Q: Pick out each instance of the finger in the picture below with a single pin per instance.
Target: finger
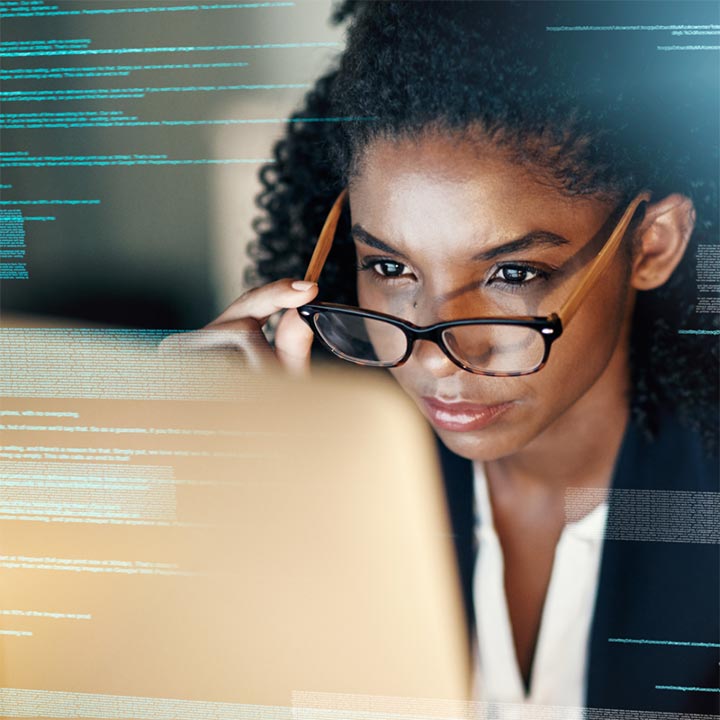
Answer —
(243, 338)
(293, 340)
(262, 302)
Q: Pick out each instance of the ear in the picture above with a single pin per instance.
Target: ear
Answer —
(661, 240)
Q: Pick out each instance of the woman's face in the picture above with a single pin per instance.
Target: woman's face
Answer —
(445, 229)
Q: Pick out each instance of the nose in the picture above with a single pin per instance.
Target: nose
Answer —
(426, 353)
(430, 357)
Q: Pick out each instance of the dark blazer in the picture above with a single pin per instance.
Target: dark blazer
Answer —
(647, 589)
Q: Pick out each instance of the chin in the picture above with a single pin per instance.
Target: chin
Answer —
(480, 446)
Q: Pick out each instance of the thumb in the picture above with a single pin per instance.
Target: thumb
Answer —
(293, 340)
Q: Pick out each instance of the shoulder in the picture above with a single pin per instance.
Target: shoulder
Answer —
(674, 459)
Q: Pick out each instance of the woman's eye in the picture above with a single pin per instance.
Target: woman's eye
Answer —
(388, 268)
(516, 274)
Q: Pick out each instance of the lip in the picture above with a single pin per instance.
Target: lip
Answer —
(462, 416)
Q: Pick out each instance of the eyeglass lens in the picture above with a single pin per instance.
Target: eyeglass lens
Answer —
(496, 348)
(365, 340)
(485, 348)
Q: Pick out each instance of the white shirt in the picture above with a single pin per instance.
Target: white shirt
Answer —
(560, 663)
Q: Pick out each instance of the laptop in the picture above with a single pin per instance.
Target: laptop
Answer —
(181, 538)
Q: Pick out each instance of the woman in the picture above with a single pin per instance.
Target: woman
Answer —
(488, 157)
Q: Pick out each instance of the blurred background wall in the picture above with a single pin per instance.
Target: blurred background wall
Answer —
(129, 167)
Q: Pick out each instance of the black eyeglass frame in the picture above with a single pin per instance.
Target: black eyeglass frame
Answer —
(550, 327)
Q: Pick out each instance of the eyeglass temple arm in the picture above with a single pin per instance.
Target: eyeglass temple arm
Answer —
(601, 261)
(325, 241)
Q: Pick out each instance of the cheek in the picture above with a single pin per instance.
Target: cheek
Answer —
(410, 378)
(581, 355)
(593, 333)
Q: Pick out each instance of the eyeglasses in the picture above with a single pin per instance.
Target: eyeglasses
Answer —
(498, 346)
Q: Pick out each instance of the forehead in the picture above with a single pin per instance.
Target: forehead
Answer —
(446, 195)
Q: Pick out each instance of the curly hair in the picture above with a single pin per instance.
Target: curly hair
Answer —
(600, 112)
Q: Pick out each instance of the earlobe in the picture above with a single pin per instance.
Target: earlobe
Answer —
(662, 239)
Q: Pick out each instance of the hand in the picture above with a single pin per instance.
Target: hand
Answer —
(239, 328)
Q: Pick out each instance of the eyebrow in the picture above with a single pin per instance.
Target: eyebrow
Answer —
(533, 239)
(360, 233)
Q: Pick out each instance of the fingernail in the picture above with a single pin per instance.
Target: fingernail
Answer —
(302, 285)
